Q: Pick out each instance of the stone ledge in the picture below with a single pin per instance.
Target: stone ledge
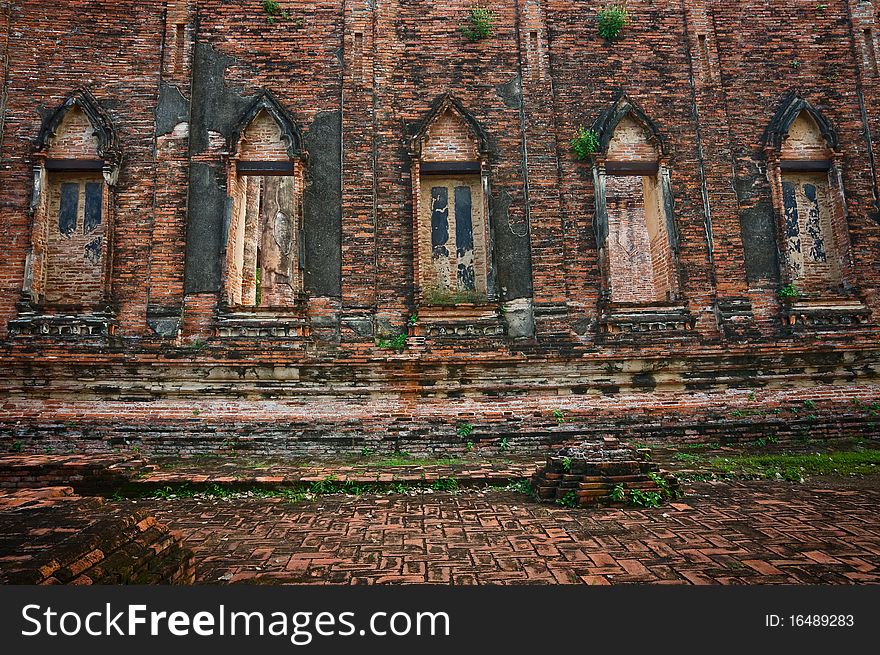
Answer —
(831, 314)
(87, 474)
(459, 321)
(625, 320)
(262, 324)
(79, 326)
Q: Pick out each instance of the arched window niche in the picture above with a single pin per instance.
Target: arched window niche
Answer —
(454, 282)
(67, 285)
(263, 264)
(635, 225)
(801, 147)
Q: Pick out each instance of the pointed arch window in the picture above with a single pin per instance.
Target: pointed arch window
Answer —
(634, 216)
(75, 170)
(263, 263)
(808, 197)
(450, 180)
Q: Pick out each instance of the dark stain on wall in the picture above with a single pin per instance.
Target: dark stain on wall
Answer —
(215, 107)
(208, 208)
(172, 109)
(759, 242)
(511, 93)
(322, 206)
(512, 256)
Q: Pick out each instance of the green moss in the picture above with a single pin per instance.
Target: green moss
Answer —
(794, 467)
(441, 296)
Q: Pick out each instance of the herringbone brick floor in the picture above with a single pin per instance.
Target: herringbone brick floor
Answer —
(721, 533)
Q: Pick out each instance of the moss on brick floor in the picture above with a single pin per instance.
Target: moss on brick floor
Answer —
(793, 467)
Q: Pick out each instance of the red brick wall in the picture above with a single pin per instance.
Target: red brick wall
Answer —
(60, 48)
(629, 246)
(709, 74)
(631, 143)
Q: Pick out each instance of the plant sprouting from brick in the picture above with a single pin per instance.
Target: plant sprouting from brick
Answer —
(480, 21)
(522, 486)
(413, 319)
(559, 415)
(445, 484)
(789, 291)
(566, 464)
(464, 430)
(645, 498)
(585, 143)
(397, 343)
(666, 491)
(611, 21)
(570, 499)
(274, 11)
(504, 446)
(326, 486)
(618, 494)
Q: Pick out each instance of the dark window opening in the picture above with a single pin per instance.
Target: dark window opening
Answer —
(69, 208)
(439, 221)
(94, 197)
(464, 239)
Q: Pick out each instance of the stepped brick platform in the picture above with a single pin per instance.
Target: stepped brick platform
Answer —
(592, 470)
(233, 473)
(324, 427)
(105, 475)
(87, 474)
(51, 536)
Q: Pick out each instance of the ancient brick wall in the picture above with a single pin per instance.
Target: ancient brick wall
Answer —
(92, 45)
(710, 80)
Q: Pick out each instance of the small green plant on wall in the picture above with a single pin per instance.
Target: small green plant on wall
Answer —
(274, 11)
(479, 25)
(585, 143)
(789, 291)
(398, 343)
(612, 19)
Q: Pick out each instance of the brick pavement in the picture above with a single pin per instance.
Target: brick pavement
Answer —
(722, 533)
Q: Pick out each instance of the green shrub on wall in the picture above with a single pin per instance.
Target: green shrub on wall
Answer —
(612, 19)
(585, 143)
(274, 11)
(479, 25)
